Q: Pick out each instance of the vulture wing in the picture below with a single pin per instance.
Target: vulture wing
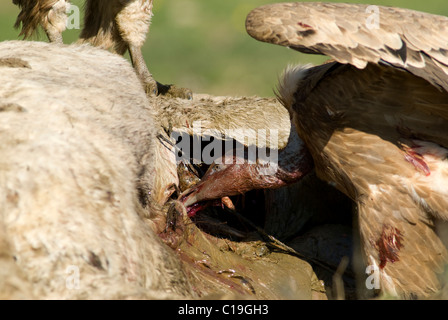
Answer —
(359, 34)
(375, 121)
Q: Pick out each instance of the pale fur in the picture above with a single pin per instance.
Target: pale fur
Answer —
(239, 118)
(83, 174)
(77, 142)
(134, 20)
(56, 20)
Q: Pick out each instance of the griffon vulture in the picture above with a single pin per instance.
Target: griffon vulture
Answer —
(375, 120)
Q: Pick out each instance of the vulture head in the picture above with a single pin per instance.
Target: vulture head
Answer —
(375, 121)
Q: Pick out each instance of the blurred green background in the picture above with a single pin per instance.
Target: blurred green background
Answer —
(203, 45)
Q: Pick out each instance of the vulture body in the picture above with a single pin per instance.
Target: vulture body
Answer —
(116, 25)
(375, 120)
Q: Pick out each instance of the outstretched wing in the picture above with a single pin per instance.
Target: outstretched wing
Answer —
(359, 34)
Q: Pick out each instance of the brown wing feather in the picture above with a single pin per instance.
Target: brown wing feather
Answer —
(32, 13)
(408, 39)
(408, 255)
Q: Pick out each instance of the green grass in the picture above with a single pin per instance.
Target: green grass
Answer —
(202, 44)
